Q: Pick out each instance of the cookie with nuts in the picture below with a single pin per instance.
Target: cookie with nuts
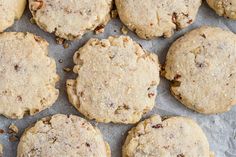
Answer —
(226, 8)
(171, 137)
(28, 76)
(202, 68)
(116, 82)
(71, 19)
(61, 136)
(10, 10)
(155, 18)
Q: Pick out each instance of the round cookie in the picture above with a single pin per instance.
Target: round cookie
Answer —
(70, 19)
(10, 10)
(226, 8)
(116, 80)
(60, 136)
(172, 137)
(27, 75)
(202, 68)
(155, 18)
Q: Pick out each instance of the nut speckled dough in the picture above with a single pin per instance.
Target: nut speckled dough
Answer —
(202, 66)
(154, 18)
(70, 19)
(60, 136)
(172, 137)
(116, 80)
(10, 10)
(226, 8)
(27, 75)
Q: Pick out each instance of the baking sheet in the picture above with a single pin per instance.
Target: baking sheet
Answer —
(220, 129)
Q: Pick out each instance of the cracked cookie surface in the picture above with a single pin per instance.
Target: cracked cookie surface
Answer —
(28, 76)
(226, 8)
(116, 80)
(172, 137)
(155, 18)
(202, 68)
(62, 135)
(70, 19)
(10, 10)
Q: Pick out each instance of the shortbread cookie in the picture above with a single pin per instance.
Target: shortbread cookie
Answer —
(61, 136)
(172, 137)
(116, 80)
(1, 151)
(10, 10)
(154, 18)
(70, 19)
(27, 75)
(226, 8)
(202, 67)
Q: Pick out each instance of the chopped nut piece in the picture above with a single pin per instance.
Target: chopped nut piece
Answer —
(65, 45)
(124, 30)
(13, 138)
(1, 131)
(67, 69)
(60, 41)
(99, 29)
(13, 129)
(157, 126)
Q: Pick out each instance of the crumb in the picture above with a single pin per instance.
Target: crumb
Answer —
(1, 131)
(124, 30)
(99, 29)
(13, 138)
(60, 41)
(65, 45)
(67, 69)
(114, 14)
(13, 129)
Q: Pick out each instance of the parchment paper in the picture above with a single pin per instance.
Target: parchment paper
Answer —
(220, 129)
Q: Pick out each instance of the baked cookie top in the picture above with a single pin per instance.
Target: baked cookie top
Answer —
(155, 18)
(70, 19)
(202, 68)
(61, 136)
(172, 137)
(116, 80)
(27, 75)
(10, 10)
(226, 8)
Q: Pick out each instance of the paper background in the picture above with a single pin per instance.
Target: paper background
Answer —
(220, 129)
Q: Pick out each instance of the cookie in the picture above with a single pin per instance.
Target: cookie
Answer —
(10, 10)
(202, 68)
(1, 151)
(27, 75)
(226, 8)
(70, 19)
(116, 80)
(155, 18)
(61, 136)
(172, 137)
